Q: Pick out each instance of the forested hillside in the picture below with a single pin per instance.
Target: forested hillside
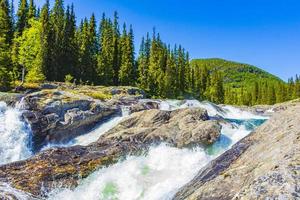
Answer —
(249, 85)
(48, 44)
(235, 74)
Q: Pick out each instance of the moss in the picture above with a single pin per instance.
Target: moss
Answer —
(99, 95)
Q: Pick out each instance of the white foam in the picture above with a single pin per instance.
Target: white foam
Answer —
(236, 113)
(15, 135)
(158, 175)
(6, 189)
(94, 135)
(170, 104)
(213, 110)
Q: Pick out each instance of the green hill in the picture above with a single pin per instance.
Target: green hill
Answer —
(236, 74)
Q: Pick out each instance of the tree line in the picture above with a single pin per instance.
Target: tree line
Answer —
(48, 44)
(264, 92)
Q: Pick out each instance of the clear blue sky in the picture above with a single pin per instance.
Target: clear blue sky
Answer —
(265, 33)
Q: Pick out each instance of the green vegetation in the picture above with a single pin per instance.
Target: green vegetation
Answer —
(248, 85)
(47, 45)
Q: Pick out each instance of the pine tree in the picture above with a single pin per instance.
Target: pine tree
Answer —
(105, 68)
(116, 50)
(6, 31)
(127, 70)
(32, 10)
(45, 37)
(22, 16)
(70, 48)
(254, 94)
(56, 42)
(92, 49)
(216, 90)
(170, 76)
(155, 73)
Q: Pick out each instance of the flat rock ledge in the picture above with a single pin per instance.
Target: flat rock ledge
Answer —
(66, 166)
(264, 165)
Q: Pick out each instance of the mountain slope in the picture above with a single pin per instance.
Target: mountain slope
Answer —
(236, 74)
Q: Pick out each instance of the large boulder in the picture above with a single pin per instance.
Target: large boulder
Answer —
(58, 116)
(181, 127)
(264, 165)
(66, 166)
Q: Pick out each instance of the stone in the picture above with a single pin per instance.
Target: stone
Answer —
(58, 116)
(264, 165)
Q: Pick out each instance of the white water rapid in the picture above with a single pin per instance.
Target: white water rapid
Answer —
(93, 135)
(159, 173)
(15, 135)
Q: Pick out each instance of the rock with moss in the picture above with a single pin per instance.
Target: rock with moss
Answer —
(58, 116)
(10, 98)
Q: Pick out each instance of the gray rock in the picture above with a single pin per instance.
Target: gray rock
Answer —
(57, 116)
(264, 165)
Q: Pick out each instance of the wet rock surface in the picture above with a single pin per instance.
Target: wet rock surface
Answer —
(58, 116)
(66, 166)
(264, 165)
(181, 127)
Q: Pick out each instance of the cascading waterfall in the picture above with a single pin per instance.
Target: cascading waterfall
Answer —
(159, 173)
(94, 135)
(156, 175)
(15, 135)
(228, 112)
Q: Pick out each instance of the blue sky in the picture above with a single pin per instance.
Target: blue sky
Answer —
(265, 33)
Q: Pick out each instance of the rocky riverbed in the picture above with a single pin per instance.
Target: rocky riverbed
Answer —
(265, 164)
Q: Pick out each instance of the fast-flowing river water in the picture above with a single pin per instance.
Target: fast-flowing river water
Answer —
(155, 175)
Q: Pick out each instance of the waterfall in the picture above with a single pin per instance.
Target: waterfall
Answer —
(94, 135)
(159, 173)
(15, 135)
(213, 110)
(156, 175)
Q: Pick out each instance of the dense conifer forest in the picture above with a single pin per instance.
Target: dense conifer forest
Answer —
(48, 44)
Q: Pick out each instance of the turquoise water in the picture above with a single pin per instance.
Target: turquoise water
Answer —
(240, 128)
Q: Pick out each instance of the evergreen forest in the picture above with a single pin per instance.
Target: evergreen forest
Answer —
(49, 44)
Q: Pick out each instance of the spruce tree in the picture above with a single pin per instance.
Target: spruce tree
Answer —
(155, 73)
(70, 48)
(31, 10)
(22, 16)
(116, 50)
(92, 49)
(127, 70)
(45, 37)
(6, 31)
(56, 42)
(170, 76)
(105, 68)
